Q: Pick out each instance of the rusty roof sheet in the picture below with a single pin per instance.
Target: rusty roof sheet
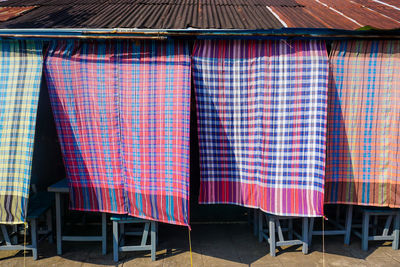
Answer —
(384, 10)
(340, 14)
(298, 18)
(391, 2)
(148, 16)
(364, 16)
(204, 14)
(7, 13)
(311, 14)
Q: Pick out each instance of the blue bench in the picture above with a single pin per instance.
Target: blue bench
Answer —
(338, 223)
(39, 204)
(60, 189)
(274, 228)
(119, 234)
(392, 217)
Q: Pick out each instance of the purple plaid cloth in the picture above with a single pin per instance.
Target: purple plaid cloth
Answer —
(261, 120)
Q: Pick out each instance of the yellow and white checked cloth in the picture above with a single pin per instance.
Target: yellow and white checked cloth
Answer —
(20, 76)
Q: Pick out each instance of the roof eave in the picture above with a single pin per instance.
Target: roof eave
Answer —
(135, 33)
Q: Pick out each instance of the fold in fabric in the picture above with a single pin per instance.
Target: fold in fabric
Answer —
(262, 122)
(363, 148)
(20, 76)
(122, 112)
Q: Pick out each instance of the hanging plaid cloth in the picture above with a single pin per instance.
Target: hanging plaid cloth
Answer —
(20, 77)
(363, 140)
(122, 111)
(261, 121)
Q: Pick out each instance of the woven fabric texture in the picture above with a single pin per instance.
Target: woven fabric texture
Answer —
(20, 76)
(122, 111)
(363, 148)
(262, 121)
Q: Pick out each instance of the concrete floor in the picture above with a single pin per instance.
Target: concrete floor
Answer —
(212, 245)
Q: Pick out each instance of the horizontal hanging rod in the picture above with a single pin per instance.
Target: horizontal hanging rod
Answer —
(161, 34)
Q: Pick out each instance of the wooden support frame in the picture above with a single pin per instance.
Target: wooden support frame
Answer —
(61, 187)
(340, 229)
(371, 214)
(11, 240)
(274, 229)
(119, 233)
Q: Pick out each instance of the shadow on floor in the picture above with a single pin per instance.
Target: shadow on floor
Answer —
(212, 244)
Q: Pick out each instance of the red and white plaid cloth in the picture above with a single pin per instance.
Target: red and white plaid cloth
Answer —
(122, 111)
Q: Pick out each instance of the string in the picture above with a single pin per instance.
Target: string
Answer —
(287, 43)
(190, 249)
(323, 241)
(25, 227)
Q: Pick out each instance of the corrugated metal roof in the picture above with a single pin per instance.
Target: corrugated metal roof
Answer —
(7, 13)
(328, 18)
(298, 18)
(362, 15)
(340, 14)
(380, 8)
(291, 3)
(391, 2)
(150, 16)
(205, 14)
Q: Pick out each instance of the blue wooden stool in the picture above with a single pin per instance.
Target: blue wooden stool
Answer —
(274, 226)
(340, 228)
(392, 215)
(39, 204)
(119, 221)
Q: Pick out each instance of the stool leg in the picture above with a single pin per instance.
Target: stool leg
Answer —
(310, 231)
(305, 235)
(388, 223)
(374, 230)
(349, 219)
(290, 229)
(145, 234)
(115, 241)
(260, 228)
(5, 235)
(103, 233)
(365, 231)
(49, 222)
(122, 230)
(34, 239)
(14, 239)
(272, 244)
(278, 228)
(156, 234)
(396, 231)
(58, 224)
(153, 241)
(338, 213)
